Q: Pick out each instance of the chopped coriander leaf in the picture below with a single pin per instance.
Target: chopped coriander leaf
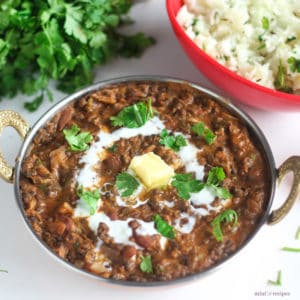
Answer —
(289, 249)
(220, 192)
(163, 227)
(294, 64)
(3, 271)
(201, 130)
(262, 46)
(278, 280)
(171, 141)
(112, 148)
(61, 40)
(126, 184)
(290, 39)
(77, 141)
(215, 176)
(186, 184)
(280, 79)
(34, 104)
(228, 216)
(134, 116)
(265, 23)
(146, 264)
(195, 21)
(91, 198)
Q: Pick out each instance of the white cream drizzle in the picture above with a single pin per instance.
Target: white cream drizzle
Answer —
(186, 227)
(119, 230)
(87, 176)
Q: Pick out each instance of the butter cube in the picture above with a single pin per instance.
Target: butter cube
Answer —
(152, 171)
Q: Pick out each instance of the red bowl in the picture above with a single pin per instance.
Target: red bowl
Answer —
(234, 85)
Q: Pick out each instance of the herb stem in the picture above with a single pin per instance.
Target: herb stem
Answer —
(278, 280)
(3, 271)
(290, 249)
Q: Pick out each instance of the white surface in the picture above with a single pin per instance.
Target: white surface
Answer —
(35, 275)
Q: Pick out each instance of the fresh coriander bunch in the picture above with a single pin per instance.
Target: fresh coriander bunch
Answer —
(61, 40)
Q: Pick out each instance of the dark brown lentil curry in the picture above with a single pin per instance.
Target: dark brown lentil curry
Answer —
(49, 186)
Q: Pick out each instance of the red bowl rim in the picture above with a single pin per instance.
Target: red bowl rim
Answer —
(216, 64)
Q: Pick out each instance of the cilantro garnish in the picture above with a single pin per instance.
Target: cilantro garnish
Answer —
(3, 271)
(77, 141)
(265, 23)
(201, 130)
(289, 249)
(215, 176)
(228, 216)
(163, 227)
(146, 264)
(134, 116)
(91, 198)
(112, 148)
(290, 39)
(186, 184)
(171, 141)
(61, 40)
(126, 184)
(35, 103)
(280, 79)
(294, 64)
(278, 280)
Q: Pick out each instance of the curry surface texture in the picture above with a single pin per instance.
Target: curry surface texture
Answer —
(120, 240)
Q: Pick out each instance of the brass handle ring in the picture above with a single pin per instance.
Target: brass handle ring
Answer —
(292, 164)
(11, 119)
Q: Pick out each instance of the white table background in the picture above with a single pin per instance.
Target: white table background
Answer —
(34, 274)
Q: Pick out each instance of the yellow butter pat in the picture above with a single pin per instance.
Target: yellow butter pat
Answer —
(152, 171)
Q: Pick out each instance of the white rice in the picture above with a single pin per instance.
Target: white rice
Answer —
(229, 31)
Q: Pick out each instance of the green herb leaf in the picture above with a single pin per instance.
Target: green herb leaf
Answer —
(280, 79)
(146, 264)
(221, 192)
(35, 104)
(289, 249)
(3, 271)
(186, 184)
(278, 281)
(134, 46)
(113, 148)
(91, 198)
(201, 130)
(290, 39)
(171, 141)
(294, 64)
(228, 216)
(163, 227)
(77, 141)
(61, 40)
(134, 116)
(265, 23)
(126, 184)
(215, 176)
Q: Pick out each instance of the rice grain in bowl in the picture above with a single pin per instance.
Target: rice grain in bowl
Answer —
(259, 40)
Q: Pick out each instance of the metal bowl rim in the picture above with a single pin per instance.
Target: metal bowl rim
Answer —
(259, 136)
